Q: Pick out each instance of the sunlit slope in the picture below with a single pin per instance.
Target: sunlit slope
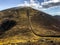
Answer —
(21, 32)
(30, 25)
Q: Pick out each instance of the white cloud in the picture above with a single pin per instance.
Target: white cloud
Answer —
(55, 1)
(50, 3)
(31, 4)
(44, 5)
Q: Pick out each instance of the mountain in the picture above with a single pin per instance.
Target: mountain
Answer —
(26, 24)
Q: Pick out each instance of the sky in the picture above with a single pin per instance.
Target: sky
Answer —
(49, 6)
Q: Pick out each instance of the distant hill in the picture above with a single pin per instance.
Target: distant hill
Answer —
(57, 17)
(23, 24)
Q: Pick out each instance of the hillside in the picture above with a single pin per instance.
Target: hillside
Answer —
(21, 25)
(46, 23)
(57, 17)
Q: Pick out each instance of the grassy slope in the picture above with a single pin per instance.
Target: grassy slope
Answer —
(22, 31)
(45, 23)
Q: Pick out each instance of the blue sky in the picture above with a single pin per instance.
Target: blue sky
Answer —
(4, 4)
(54, 10)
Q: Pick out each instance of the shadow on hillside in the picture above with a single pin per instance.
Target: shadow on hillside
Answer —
(6, 25)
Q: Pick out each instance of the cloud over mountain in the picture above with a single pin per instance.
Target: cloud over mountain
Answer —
(41, 6)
